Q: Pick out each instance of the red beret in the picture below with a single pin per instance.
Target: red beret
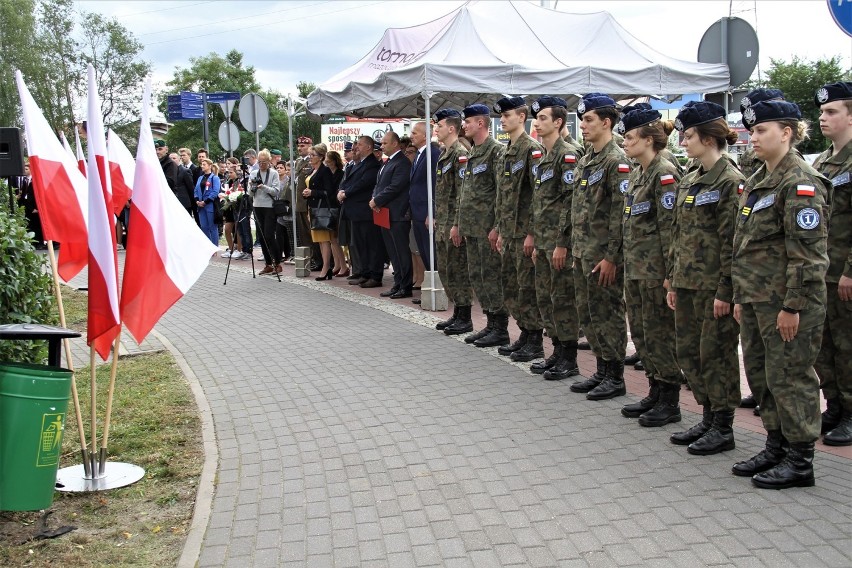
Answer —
(304, 140)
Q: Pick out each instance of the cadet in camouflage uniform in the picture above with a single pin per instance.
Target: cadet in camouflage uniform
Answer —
(834, 364)
(514, 194)
(749, 162)
(452, 257)
(474, 221)
(665, 153)
(700, 277)
(778, 273)
(600, 181)
(649, 203)
(550, 233)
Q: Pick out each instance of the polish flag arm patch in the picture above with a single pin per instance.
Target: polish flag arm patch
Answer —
(570, 158)
(462, 159)
(536, 154)
(667, 179)
(740, 189)
(624, 168)
(806, 190)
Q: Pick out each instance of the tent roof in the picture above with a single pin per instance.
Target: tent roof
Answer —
(483, 49)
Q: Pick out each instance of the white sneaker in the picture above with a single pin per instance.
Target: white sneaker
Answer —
(243, 256)
(226, 254)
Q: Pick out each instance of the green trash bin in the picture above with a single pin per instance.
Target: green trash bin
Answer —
(33, 404)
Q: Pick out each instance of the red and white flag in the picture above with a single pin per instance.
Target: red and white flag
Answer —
(166, 251)
(81, 157)
(122, 168)
(60, 190)
(104, 322)
(65, 143)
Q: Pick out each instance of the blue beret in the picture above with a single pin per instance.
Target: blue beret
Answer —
(446, 113)
(636, 118)
(637, 106)
(546, 102)
(698, 113)
(758, 95)
(594, 101)
(476, 110)
(509, 103)
(347, 146)
(840, 91)
(768, 111)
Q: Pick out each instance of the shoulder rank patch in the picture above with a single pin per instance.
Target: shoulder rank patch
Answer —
(806, 190)
(536, 154)
(596, 177)
(463, 159)
(740, 189)
(667, 179)
(841, 179)
(570, 159)
(807, 218)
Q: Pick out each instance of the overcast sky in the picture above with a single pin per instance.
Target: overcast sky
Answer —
(292, 41)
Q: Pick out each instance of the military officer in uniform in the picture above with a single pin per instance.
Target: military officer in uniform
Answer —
(475, 219)
(834, 364)
(700, 291)
(779, 266)
(302, 169)
(452, 257)
(514, 196)
(550, 234)
(600, 181)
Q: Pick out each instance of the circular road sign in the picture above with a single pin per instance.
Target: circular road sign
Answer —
(229, 136)
(742, 48)
(254, 114)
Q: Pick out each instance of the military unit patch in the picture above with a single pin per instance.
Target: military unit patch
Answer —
(709, 197)
(622, 187)
(596, 177)
(667, 179)
(668, 200)
(461, 172)
(568, 177)
(807, 218)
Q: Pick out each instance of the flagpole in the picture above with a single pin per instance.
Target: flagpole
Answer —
(112, 372)
(57, 290)
(93, 390)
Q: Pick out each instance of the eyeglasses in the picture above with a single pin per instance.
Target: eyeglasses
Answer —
(263, 163)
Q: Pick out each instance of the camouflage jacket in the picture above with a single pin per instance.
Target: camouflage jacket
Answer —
(515, 186)
(600, 182)
(703, 229)
(667, 154)
(303, 170)
(550, 221)
(779, 251)
(478, 191)
(447, 182)
(648, 207)
(838, 169)
(749, 163)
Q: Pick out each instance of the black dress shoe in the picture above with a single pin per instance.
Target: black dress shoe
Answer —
(357, 281)
(389, 293)
(401, 294)
(371, 284)
(416, 301)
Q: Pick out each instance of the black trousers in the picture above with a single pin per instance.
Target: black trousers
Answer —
(367, 240)
(396, 241)
(268, 235)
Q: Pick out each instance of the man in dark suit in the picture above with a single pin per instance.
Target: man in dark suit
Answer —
(392, 193)
(354, 195)
(418, 194)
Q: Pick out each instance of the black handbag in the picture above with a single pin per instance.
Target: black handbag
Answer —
(281, 207)
(324, 218)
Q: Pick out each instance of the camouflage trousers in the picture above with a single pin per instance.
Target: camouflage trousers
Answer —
(707, 350)
(554, 291)
(652, 327)
(781, 374)
(601, 311)
(483, 268)
(519, 290)
(452, 268)
(834, 363)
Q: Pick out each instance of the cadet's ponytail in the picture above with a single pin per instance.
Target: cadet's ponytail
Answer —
(799, 129)
(658, 131)
(718, 132)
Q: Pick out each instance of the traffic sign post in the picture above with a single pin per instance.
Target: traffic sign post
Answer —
(188, 105)
(254, 115)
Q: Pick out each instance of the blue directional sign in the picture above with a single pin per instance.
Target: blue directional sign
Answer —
(190, 96)
(222, 97)
(841, 11)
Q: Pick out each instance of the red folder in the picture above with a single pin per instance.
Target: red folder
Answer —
(382, 217)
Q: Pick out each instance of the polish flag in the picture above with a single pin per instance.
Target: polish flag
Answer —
(166, 251)
(60, 189)
(624, 168)
(81, 157)
(104, 323)
(122, 168)
(65, 143)
(667, 179)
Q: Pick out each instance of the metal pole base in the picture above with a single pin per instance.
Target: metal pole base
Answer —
(433, 299)
(116, 474)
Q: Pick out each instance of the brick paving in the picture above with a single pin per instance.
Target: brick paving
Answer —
(349, 435)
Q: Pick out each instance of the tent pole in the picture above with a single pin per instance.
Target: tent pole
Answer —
(426, 97)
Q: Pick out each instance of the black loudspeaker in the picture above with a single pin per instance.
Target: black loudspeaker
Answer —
(11, 156)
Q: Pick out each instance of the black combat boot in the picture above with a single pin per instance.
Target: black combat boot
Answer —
(442, 325)
(796, 470)
(636, 409)
(666, 410)
(532, 350)
(512, 347)
(566, 366)
(612, 385)
(540, 367)
(840, 435)
(769, 457)
(748, 402)
(594, 380)
(584, 346)
(463, 323)
(489, 319)
(687, 437)
(832, 415)
(719, 438)
(632, 359)
(499, 334)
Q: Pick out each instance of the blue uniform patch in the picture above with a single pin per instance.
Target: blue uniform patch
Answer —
(622, 187)
(446, 168)
(546, 175)
(841, 179)
(807, 218)
(640, 208)
(595, 177)
(479, 169)
(668, 200)
(461, 172)
(568, 177)
(709, 197)
(764, 202)
(517, 166)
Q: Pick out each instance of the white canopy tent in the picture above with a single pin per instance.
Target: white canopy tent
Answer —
(482, 50)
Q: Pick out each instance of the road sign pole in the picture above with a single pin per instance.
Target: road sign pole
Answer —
(257, 129)
(206, 128)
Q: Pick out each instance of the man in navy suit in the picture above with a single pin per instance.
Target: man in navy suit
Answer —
(392, 193)
(418, 194)
(355, 194)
